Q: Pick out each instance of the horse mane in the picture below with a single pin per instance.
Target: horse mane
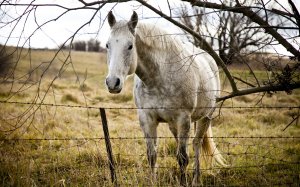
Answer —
(153, 36)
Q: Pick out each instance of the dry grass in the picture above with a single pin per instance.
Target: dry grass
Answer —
(82, 161)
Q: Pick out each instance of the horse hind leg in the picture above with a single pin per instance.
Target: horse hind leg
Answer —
(201, 129)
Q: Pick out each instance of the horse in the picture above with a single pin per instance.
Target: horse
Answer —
(172, 85)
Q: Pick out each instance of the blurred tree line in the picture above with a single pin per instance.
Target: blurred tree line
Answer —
(91, 45)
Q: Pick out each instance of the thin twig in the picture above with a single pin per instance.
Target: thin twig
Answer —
(295, 119)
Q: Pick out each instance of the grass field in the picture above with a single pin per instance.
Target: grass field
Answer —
(60, 146)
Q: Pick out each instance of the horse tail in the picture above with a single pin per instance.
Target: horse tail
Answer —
(210, 153)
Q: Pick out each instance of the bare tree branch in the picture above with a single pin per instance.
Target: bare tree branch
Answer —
(296, 13)
(273, 27)
(270, 88)
(254, 17)
(243, 81)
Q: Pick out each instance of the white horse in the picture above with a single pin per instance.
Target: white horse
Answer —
(171, 85)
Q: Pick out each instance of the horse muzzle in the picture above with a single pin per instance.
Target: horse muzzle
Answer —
(115, 91)
(113, 84)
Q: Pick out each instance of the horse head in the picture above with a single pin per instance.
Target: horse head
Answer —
(121, 52)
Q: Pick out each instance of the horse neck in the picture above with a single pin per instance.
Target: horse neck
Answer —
(148, 70)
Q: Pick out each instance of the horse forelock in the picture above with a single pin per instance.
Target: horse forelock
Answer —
(121, 27)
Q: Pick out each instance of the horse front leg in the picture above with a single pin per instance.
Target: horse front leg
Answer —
(149, 127)
(182, 156)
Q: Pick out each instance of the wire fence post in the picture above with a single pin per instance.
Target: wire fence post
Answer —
(108, 148)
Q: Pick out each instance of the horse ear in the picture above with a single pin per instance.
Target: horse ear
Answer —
(133, 22)
(111, 19)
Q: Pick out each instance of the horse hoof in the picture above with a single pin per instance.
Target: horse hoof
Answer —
(195, 183)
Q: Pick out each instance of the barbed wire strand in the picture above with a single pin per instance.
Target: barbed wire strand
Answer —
(140, 137)
(135, 108)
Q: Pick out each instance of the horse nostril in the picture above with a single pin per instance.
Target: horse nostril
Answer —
(117, 82)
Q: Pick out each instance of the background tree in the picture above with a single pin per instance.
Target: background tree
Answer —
(79, 46)
(231, 37)
(276, 30)
(93, 45)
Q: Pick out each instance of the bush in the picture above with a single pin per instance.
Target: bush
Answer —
(5, 61)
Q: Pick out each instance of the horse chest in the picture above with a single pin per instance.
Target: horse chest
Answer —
(161, 96)
(166, 103)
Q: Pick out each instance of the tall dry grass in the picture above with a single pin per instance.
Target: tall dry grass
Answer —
(68, 152)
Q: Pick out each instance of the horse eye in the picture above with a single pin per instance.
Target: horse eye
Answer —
(107, 46)
(130, 47)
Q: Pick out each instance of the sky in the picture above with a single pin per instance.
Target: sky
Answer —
(54, 33)
(57, 32)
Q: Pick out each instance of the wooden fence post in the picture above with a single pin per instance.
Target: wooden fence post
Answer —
(108, 147)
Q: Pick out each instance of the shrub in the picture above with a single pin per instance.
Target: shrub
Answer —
(5, 61)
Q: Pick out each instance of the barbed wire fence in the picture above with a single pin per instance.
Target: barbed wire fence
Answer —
(265, 160)
(68, 158)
